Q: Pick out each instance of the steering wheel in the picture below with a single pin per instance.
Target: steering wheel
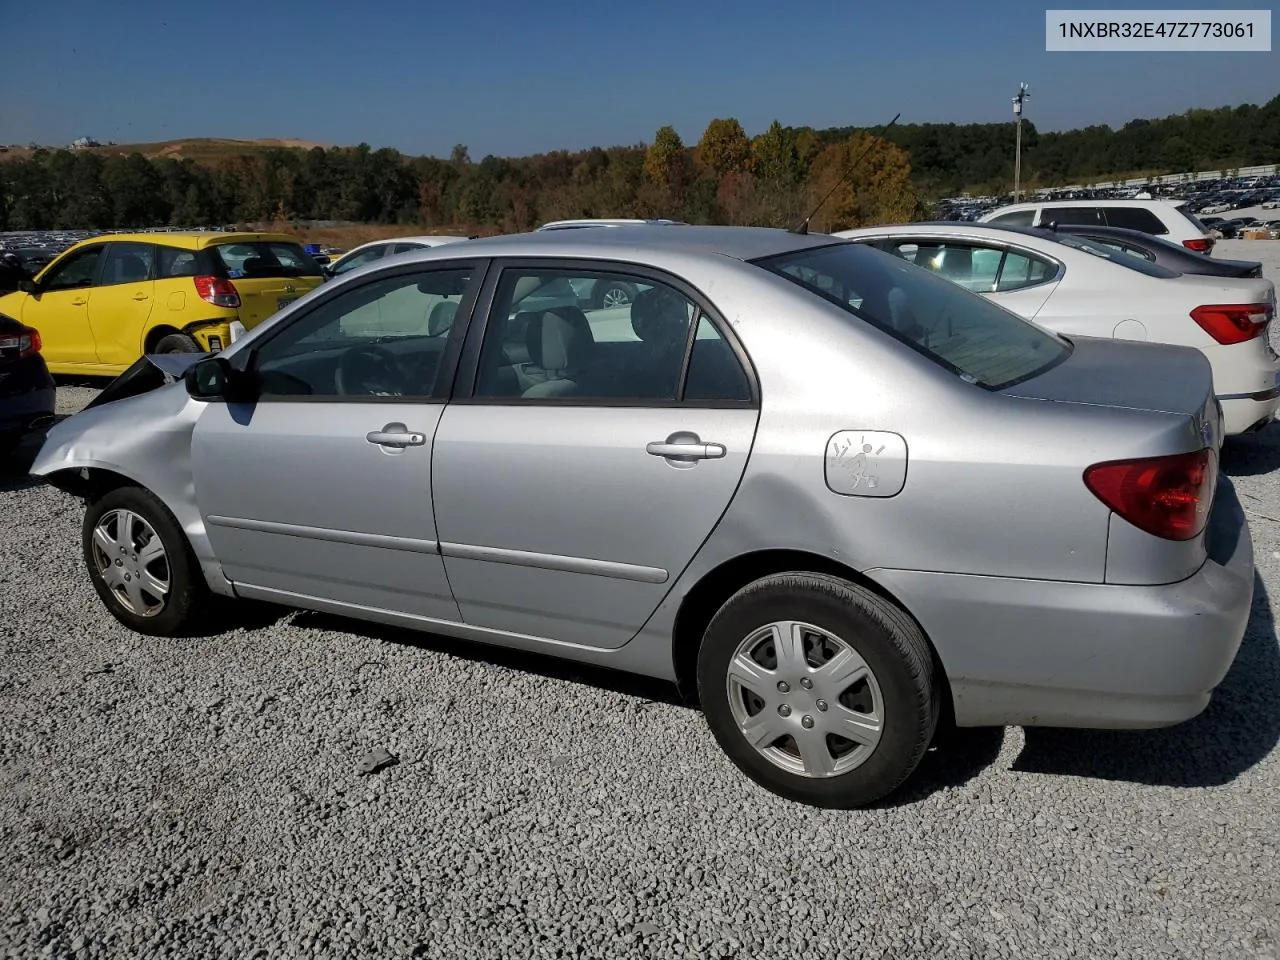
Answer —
(368, 370)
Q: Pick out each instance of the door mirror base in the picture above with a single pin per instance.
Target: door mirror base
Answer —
(216, 379)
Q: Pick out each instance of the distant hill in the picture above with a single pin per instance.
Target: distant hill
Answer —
(200, 149)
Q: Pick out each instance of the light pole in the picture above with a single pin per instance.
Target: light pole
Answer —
(1023, 94)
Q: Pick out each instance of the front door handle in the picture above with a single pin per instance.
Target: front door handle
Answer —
(685, 446)
(396, 435)
(79, 303)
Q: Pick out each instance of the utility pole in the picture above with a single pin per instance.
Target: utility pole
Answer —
(1023, 94)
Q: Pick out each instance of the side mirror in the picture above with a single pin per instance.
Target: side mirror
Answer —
(215, 379)
(28, 286)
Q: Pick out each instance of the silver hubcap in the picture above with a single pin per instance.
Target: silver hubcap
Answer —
(615, 297)
(130, 558)
(805, 699)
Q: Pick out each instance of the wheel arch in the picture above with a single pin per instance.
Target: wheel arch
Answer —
(90, 483)
(156, 334)
(720, 583)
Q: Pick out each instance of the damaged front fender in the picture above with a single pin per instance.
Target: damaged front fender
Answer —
(141, 434)
(147, 373)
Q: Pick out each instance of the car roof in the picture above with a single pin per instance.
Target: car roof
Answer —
(972, 227)
(1033, 204)
(739, 243)
(186, 240)
(428, 239)
(608, 222)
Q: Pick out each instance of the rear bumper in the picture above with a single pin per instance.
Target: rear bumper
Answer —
(26, 394)
(1050, 653)
(1246, 414)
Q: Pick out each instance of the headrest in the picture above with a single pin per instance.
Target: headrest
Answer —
(441, 317)
(660, 315)
(558, 339)
(131, 267)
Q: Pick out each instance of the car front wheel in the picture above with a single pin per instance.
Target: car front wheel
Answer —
(819, 690)
(141, 564)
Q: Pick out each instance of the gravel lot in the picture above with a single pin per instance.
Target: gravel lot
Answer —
(203, 798)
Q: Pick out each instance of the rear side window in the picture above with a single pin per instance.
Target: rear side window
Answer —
(266, 258)
(961, 331)
(1135, 218)
(1018, 218)
(975, 267)
(1089, 215)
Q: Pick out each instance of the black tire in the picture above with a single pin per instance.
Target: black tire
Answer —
(187, 602)
(9, 441)
(605, 290)
(889, 642)
(177, 343)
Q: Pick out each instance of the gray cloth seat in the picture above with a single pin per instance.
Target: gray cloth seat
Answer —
(561, 343)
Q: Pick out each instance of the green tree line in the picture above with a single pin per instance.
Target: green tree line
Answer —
(773, 178)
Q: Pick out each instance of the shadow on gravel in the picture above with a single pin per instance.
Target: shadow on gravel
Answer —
(1253, 454)
(954, 758)
(15, 464)
(1240, 727)
(631, 685)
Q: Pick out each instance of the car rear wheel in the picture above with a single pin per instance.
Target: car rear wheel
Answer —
(819, 690)
(177, 343)
(141, 564)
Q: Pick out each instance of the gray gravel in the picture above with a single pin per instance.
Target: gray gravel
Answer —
(297, 785)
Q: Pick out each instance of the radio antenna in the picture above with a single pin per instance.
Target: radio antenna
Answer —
(803, 226)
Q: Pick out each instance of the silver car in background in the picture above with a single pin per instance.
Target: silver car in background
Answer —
(834, 496)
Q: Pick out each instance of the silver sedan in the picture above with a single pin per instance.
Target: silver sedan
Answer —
(834, 497)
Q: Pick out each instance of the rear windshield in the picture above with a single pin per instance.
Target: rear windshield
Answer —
(964, 332)
(1115, 255)
(266, 258)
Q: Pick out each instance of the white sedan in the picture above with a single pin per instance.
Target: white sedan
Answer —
(367, 253)
(1076, 286)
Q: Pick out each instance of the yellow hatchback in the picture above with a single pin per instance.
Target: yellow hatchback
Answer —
(108, 300)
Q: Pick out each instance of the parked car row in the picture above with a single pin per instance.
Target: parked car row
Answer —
(836, 489)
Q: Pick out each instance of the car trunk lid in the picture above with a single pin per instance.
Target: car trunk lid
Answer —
(1173, 379)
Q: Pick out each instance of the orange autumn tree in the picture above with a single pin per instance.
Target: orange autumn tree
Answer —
(878, 187)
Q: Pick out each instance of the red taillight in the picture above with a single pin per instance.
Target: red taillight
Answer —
(1234, 322)
(24, 343)
(216, 290)
(1165, 496)
(1199, 244)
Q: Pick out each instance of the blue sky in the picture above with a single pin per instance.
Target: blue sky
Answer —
(512, 77)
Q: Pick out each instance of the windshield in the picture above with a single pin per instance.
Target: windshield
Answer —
(964, 332)
(1121, 257)
(266, 258)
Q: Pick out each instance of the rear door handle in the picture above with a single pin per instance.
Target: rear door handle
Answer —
(141, 296)
(685, 450)
(396, 435)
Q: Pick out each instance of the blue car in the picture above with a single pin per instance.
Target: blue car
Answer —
(26, 388)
